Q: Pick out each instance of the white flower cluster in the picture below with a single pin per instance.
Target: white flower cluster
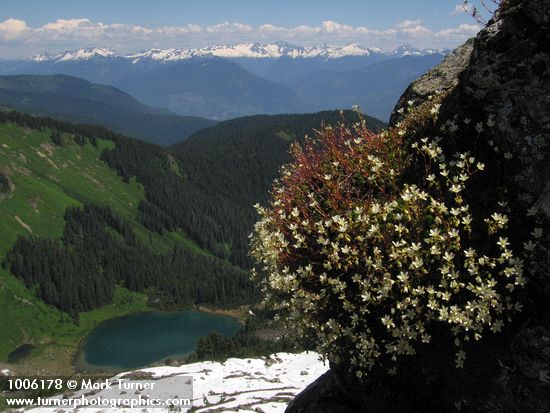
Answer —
(372, 279)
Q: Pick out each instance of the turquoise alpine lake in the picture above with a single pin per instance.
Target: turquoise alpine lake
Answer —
(141, 339)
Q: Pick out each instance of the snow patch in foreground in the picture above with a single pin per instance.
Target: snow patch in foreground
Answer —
(266, 384)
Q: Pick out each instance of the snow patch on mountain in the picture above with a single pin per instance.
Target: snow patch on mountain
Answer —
(412, 51)
(80, 54)
(256, 51)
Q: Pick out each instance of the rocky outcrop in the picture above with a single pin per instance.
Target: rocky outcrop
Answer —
(523, 384)
(440, 79)
(323, 396)
(499, 81)
(508, 76)
(6, 184)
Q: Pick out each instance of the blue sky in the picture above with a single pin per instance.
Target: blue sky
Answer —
(376, 13)
(34, 26)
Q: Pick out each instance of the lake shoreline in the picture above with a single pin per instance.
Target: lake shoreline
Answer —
(239, 313)
(56, 347)
(64, 357)
(118, 331)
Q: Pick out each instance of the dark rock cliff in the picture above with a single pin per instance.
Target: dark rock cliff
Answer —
(502, 75)
(505, 72)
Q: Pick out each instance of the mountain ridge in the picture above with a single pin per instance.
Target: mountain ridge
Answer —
(215, 88)
(375, 88)
(77, 100)
(229, 91)
(255, 50)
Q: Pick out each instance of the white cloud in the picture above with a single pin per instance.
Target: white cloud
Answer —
(303, 29)
(12, 29)
(63, 25)
(269, 28)
(412, 28)
(458, 33)
(227, 27)
(333, 27)
(178, 30)
(408, 23)
(64, 34)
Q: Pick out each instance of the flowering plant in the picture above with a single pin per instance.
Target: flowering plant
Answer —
(369, 260)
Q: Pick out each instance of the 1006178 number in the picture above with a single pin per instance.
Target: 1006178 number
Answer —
(35, 384)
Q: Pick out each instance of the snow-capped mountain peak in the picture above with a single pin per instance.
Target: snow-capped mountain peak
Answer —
(166, 55)
(41, 57)
(255, 51)
(80, 54)
(244, 50)
(408, 50)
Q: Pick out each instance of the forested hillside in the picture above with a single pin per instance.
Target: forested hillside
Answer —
(72, 237)
(76, 100)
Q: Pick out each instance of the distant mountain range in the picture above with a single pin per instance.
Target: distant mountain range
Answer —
(245, 50)
(223, 82)
(73, 99)
(214, 88)
(374, 88)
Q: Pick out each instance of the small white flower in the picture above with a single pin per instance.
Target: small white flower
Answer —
(460, 358)
(503, 242)
(453, 233)
(497, 326)
(387, 322)
(448, 256)
(456, 188)
(453, 127)
(529, 246)
(499, 219)
(537, 232)
(479, 127)
(531, 212)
